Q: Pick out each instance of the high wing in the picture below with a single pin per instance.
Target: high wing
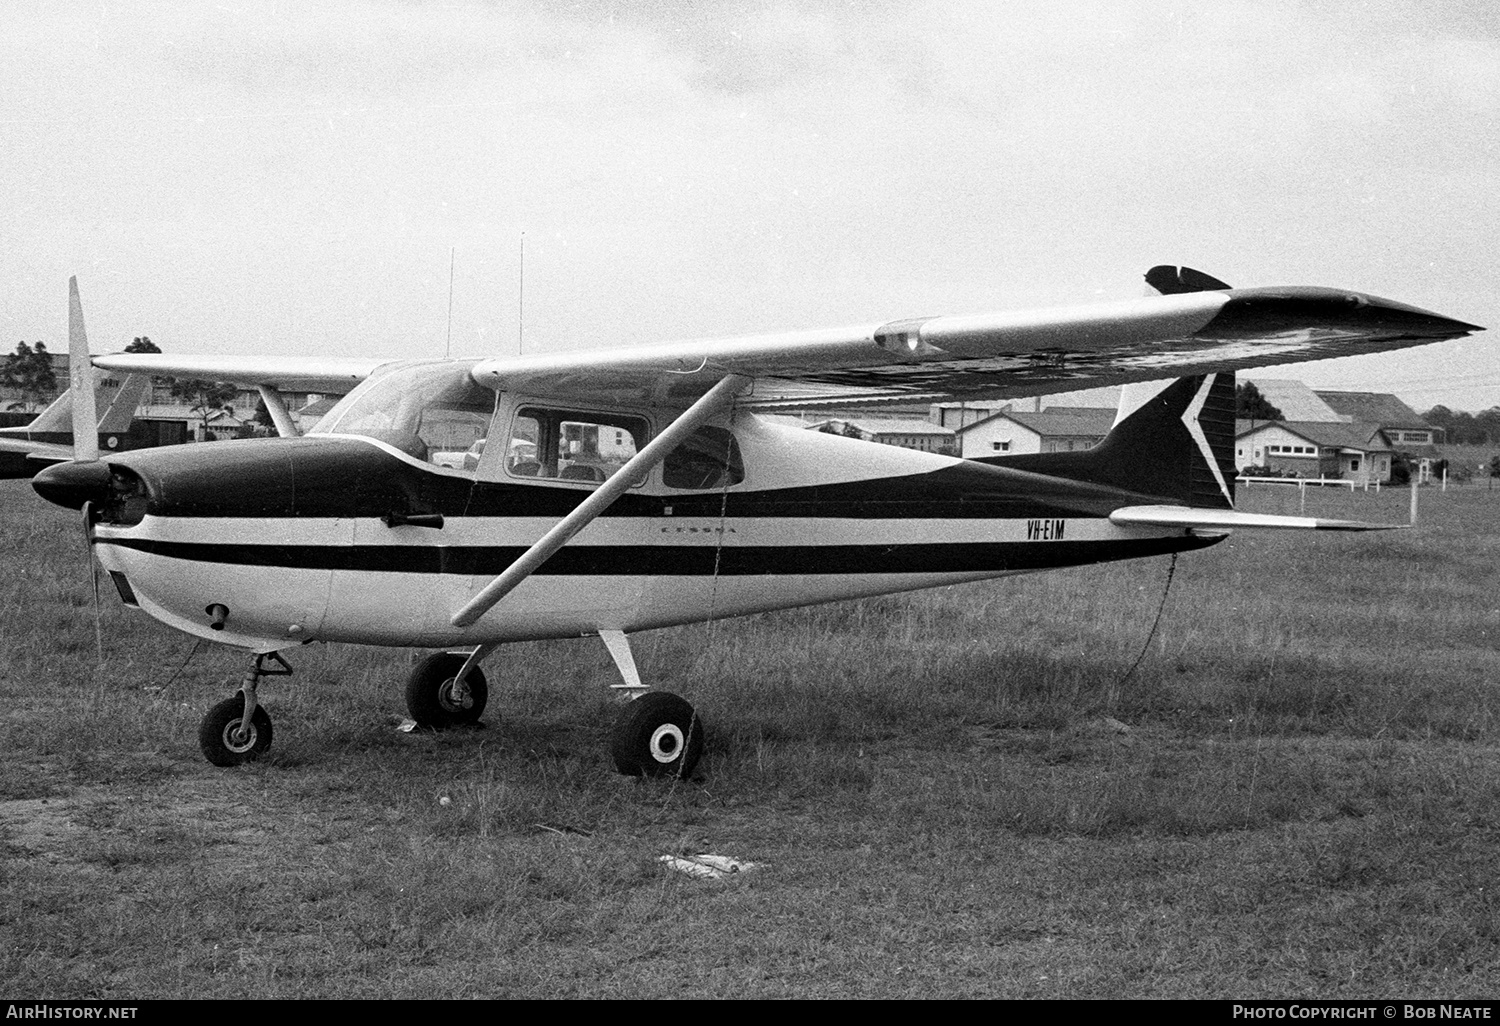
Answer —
(990, 356)
(1199, 326)
(270, 376)
(307, 374)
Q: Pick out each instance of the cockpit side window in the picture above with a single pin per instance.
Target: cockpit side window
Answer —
(708, 459)
(571, 445)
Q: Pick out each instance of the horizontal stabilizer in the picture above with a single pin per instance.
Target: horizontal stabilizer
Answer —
(1189, 517)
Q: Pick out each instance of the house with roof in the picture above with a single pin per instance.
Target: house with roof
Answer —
(1400, 422)
(1411, 436)
(962, 413)
(1056, 429)
(1370, 429)
(1313, 449)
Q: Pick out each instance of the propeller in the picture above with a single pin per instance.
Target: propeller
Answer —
(81, 379)
(84, 481)
(88, 541)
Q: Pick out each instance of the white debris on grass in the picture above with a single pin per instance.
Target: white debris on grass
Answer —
(707, 867)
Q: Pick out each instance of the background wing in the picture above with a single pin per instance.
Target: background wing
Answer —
(988, 356)
(301, 374)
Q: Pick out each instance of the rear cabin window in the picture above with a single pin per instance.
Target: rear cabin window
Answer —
(710, 458)
(571, 445)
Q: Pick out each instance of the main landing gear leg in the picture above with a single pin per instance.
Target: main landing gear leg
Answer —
(658, 733)
(238, 729)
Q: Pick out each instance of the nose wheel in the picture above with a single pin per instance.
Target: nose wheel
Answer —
(227, 739)
(238, 729)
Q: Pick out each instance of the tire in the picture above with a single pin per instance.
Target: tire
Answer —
(658, 735)
(216, 734)
(429, 693)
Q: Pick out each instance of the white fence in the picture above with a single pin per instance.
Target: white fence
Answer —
(1303, 482)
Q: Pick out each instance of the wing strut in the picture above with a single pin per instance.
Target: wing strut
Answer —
(715, 401)
(279, 415)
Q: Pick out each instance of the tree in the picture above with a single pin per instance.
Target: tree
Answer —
(205, 398)
(263, 414)
(143, 344)
(29, 371)
(1249, 404)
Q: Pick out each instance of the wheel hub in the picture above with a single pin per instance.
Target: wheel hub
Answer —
(666, 742)
(238, 737)
(454, 695)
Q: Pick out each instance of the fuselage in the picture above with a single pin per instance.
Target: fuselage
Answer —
(351, 538)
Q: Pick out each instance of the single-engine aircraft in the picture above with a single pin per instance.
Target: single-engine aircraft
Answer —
(463, 504)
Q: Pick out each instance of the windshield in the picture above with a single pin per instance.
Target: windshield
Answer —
(431, 411)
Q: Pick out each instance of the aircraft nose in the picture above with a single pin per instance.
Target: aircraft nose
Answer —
(74, 483)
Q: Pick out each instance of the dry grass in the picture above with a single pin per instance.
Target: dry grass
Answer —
(955, 793)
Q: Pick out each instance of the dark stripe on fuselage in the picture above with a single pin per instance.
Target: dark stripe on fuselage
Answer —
(341, 478)
(679, 560)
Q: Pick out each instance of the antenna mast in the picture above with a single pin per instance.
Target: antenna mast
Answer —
(521, 302)
(448, 346)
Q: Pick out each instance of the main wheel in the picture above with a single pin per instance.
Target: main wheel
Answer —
(658, 735)
(434, 697)
(222, 740)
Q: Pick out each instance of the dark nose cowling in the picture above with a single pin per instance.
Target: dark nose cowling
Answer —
(74, 483)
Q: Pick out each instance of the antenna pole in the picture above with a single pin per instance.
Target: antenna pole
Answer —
(448, 346)
(521, 302)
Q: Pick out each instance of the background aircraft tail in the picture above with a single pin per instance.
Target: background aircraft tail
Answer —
(1172, 441)
(119, 400)
(49, 438)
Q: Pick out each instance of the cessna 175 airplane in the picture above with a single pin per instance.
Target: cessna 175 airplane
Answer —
(463, 504)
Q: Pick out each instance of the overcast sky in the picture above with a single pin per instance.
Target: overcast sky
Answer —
(295, 178)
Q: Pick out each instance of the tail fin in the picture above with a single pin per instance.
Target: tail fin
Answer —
(1171, 440)
(120, 402)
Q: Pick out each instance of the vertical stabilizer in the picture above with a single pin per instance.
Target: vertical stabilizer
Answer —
(1172, 440)
(120, 403)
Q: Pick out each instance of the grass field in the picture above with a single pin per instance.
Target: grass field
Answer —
(950, 793)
